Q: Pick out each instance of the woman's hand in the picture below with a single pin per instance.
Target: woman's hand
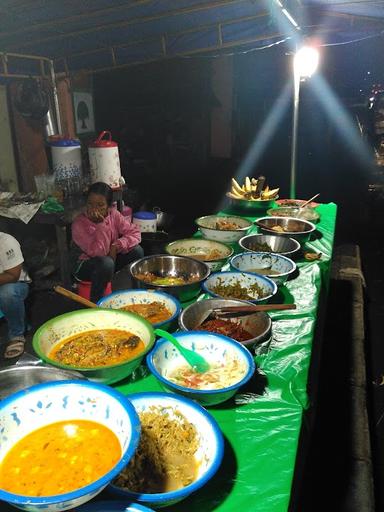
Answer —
(113, 252)
(95, 215)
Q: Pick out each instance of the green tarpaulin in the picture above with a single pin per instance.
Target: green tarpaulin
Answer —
(262, 424)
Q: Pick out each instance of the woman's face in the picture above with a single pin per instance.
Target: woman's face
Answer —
(97, 207)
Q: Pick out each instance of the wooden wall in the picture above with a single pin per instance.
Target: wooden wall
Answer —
(29, 145)
(29, 136)
(8, 174)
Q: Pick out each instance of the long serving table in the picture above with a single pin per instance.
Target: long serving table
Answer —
(262, 423)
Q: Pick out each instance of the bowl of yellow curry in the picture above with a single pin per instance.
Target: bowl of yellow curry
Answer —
(53, 441)
(159, 308)
(105, 345)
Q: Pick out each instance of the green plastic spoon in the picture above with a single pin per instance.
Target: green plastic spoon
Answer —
(196, 361)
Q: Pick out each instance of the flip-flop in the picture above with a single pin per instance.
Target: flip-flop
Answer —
(15, 348)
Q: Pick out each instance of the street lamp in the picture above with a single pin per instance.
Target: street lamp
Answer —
(305, 63)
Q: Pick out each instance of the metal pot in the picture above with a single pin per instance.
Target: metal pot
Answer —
(30, 370)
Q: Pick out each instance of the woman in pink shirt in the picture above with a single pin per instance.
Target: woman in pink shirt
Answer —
(104, 241)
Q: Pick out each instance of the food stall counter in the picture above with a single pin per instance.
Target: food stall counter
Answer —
(262, 423)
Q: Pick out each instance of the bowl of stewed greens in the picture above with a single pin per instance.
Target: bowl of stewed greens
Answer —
(241, 286)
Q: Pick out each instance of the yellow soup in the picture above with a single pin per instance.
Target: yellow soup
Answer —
(103, 347)
(59, 458)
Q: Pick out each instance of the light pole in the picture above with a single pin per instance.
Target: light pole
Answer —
(305, 63)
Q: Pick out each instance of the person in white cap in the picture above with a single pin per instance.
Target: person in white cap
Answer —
(14, 288)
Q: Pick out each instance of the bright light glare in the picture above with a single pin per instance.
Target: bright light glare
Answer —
(70, 430)
(306, 61)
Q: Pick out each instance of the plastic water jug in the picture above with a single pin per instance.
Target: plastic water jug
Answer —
(104, 161)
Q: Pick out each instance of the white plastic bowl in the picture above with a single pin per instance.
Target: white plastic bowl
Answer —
(209, 454)
(207, 226)
(202, 247)
(43, 404)
(215, 348)
(121, 298)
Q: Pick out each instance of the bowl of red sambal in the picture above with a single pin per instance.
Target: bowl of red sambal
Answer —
(250, 330)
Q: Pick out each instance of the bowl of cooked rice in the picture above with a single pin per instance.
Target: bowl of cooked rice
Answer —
(231, 366)
(181, 448)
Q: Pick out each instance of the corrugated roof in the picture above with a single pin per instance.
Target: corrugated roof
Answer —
(100, 34)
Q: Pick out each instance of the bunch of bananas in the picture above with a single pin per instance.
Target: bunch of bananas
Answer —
(250, 191)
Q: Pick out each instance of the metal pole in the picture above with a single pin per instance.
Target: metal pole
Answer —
(295, 124)
(55, 97)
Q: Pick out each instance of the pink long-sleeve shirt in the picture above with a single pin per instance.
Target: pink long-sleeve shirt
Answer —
(95, 239)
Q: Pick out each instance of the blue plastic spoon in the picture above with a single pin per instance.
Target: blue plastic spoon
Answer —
(196, 361)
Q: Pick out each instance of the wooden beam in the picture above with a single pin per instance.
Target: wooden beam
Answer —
(184, 54)
(75, 17)
(168, 35)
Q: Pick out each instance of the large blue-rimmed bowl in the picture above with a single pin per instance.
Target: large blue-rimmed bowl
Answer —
(43, 404)
(122, 298)
(208, 455)
(277, 267)
(258, 288)
(113, 506)
(216, 350)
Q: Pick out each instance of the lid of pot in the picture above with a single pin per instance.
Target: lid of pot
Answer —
(57, 143)
(145, 215)
(103, 143)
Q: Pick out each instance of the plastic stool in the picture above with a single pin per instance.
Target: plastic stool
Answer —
(84, 289)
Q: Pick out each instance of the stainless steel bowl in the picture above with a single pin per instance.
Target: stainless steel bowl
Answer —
(278, 244)
(258, 324)
(291, 227)
(22, 375)
(165, 265)
(306, 213)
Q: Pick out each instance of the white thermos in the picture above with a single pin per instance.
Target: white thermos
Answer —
(104, 161)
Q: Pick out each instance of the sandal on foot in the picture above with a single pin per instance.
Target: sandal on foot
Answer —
(15, 348)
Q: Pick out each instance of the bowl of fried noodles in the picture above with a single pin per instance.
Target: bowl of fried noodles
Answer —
(104, 345)
(231, 366)
(181, 448)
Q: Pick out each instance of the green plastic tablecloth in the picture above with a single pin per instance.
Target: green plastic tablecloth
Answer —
(261, 425)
